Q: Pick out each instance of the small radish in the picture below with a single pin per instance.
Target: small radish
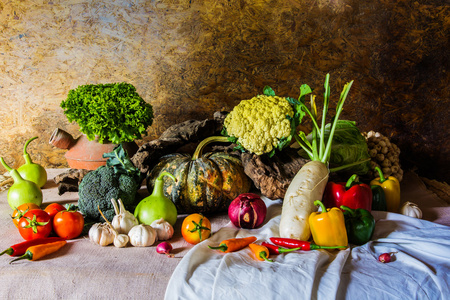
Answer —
(164, 248)
(386, 257)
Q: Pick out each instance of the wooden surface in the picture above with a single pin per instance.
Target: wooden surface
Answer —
(192, 58)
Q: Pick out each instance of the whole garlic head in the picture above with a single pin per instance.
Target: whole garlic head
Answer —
(142, 235)
(164, 230)
(411, 210)
(101, 234)
(123, 221)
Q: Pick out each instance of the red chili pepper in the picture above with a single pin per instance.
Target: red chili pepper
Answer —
(351, 194)
(273, 249)
(303, 245)
(21, 248)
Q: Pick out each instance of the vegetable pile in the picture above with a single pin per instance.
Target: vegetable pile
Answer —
(45, 231)
(317, 213)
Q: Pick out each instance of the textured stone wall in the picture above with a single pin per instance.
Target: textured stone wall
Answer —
(191, 58)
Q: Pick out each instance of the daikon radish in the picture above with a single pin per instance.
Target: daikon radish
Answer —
(309, 183)
(298, 203)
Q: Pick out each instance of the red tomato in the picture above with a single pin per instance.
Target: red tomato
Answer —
(21, 210)
(68, 224)
(53, 208)
(35, 224)
(195, 228)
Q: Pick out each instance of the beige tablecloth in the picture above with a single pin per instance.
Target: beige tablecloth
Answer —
(82, 270)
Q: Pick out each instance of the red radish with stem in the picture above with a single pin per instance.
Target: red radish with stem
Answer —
(164, 248)
(386, 257)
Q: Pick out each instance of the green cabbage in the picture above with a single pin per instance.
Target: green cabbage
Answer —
(349, 146)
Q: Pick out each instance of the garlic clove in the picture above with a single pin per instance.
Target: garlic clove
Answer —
(121, 240)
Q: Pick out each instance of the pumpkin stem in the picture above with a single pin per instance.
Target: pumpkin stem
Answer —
(202, 144)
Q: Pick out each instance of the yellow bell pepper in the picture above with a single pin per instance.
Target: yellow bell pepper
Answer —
(328, 227)
(391, 187)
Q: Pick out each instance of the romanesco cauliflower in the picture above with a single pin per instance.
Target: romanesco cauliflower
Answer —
(261, 124)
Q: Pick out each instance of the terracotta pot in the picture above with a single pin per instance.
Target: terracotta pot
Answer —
(85, 154)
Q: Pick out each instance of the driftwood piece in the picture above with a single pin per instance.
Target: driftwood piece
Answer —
(69, 180)
(175, 137)
(270, 175)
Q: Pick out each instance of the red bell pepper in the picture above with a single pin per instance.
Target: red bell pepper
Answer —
(351, 194)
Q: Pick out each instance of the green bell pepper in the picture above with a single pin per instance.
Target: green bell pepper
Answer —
(378, 198)
(360, 225)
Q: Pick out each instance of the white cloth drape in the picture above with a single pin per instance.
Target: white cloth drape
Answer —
(420, 269)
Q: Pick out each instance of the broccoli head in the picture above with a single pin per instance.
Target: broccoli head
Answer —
(100, 186)
(262, 124)
(119, 179)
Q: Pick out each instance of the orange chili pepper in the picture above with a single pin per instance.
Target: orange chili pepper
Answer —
(235, 244)
(39, 251)
(261, 252)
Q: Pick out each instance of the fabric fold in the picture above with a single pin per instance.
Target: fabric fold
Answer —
(419, 271)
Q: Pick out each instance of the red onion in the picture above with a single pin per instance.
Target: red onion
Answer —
(164, 248)
(248, 210)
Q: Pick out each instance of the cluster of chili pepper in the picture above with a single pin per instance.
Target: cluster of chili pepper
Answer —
(231, 245)
(264, 250)
(35, 249)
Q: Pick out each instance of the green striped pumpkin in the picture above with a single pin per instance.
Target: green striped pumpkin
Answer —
(205, 183)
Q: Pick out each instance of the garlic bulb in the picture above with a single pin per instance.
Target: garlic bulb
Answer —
(142, 235)
(101, 234)
(164, 231)
(123, 221)
(411, 210)
(120, 239)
